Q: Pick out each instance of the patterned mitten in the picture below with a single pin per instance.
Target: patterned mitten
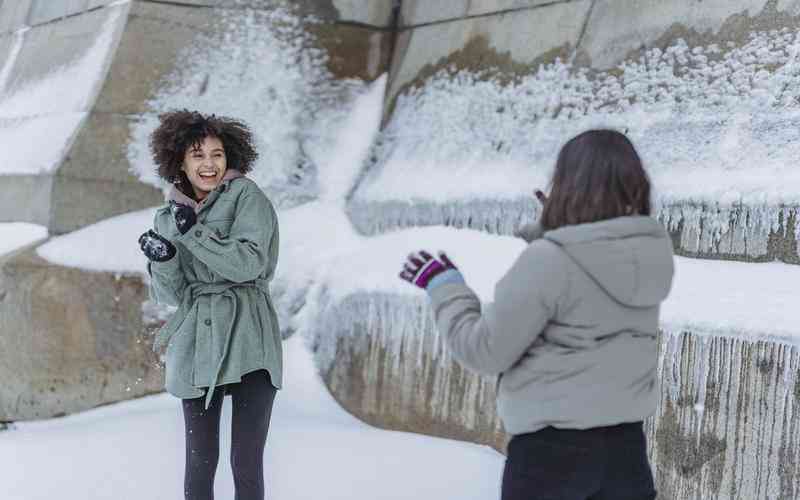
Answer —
(156, 247)
(421, 268)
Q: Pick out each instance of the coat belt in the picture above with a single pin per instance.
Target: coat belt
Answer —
(190, 295)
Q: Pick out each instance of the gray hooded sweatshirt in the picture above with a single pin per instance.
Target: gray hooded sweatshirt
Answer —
(572, 330)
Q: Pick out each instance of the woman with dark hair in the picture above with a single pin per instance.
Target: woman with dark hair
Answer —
(212, 252)
(572, 331)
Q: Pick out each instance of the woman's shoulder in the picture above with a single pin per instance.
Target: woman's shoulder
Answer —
(244, 186)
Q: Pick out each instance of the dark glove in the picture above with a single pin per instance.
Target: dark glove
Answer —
(184, 215)
(420, 269)
(156, 247)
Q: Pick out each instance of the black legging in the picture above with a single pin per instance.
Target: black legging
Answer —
(252, 409)
(603, 463)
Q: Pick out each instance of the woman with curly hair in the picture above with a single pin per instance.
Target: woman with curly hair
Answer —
(212, 252)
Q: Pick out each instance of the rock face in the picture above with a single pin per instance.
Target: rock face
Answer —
(71, 339)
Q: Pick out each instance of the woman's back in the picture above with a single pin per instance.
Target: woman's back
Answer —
(594, 362)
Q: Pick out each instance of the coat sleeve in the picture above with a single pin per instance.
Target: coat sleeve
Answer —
(167, 280)
(244, 254)
(491, 339)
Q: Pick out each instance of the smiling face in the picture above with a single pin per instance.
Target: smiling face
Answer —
(204, 165)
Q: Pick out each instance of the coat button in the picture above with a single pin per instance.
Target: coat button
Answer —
(198, 233)
(207, 322)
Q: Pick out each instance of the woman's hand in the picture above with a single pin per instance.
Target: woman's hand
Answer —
(156, 247)
(184, 215)
(532, 231)
(541, 197)
(422, 267)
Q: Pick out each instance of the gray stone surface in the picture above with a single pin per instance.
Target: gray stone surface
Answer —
(93, 4)
(53, 47)
(77, 202)
(99, 151)
(7, 43)
(418, 12)
(43, 11)
(618, 28)
(71, 339)
(480, 7)
(25, 198)
(147, 52)
(726, 426)
(415, 12)
(95, 182)
(512, 43)
(14, 14)
(372, 12)
(378, 13)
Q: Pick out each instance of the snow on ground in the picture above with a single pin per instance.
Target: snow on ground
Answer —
(109, 245)
(15, 235)
(134, 450)
(39, 120)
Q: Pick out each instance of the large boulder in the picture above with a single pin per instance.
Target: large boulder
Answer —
(71, 339)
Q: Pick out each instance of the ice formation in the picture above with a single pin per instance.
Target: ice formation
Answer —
(715, 125)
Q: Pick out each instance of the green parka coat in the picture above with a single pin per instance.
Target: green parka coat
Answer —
(225, 325)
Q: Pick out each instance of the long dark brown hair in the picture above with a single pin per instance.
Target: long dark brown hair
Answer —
(598, 176)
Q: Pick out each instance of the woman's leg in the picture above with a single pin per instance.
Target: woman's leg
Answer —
(628, 474)
(252, 410)
(202, 446)
(553, 464)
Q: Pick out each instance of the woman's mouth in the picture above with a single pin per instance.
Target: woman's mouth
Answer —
(207, 175)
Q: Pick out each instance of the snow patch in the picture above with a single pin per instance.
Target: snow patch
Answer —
(308, 434)
(15, 235)
(109, 245)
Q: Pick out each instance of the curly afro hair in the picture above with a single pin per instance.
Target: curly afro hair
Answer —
(183, 129)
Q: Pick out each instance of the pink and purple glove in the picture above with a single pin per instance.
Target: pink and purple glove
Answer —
(422, 267)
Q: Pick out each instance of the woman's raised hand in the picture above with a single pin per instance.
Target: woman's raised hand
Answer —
(422, 267)
(533, 230)
(155, 247)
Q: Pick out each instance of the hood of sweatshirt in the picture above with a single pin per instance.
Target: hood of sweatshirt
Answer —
(178, 196)
(630, 258)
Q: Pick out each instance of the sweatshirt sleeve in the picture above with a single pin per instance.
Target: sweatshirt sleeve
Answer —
(167, 280)
(244, 254)
(492, 338)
